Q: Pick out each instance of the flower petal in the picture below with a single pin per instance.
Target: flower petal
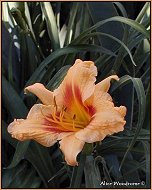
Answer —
(104, 85)
(78, 84)
(35, 127)
(41, 92)
(30, 129)
(107, 119)
(95, 135)
(101, 99)
(64, 134)
(100, 92)
(39, 111)
(71, 147)
(110, 120)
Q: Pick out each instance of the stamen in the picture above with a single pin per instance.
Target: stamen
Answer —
(54, 115)
(74, 117)
(61, 115)
(55, 104)
(64, 123)
(81, 110)
(65, 109)
(62, 112)
(73, 125)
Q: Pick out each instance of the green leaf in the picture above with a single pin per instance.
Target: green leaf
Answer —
(143, 12)
(10, 69)
(73, 13)
(113, 38)
(106, 173)
(121, 8)
(139, 138)
(141, 115)
(113, 163)
(134, 168)
(20, 151)
(51, 24)
(145, 132)
(130, 165)
(148, 116)
(27, 18)
(57, 14)
(92, 174)
(67, 50)
(30, 56)
(61, 171)
(146, 146)
(12, 101)
(7, 176)
(141, 54)
(78, 172)
(20, 177)
(17, 5)
(16, 13)
(19, 111)
(119, 58)
(91, 48)
(84, 18)
(122, 82)
(6, 136)
(127, 21)
(100, 11)
(7, 16)
(58, 78)
(39, 157)
(5, 13)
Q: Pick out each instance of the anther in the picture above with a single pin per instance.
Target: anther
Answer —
(55, 103)
(74, 117)
(65, 109)
(73, 123)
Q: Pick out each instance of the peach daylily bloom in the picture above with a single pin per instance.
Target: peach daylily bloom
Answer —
(75, 113)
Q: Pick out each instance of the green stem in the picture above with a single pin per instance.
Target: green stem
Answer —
(37, 45)
(78, 172)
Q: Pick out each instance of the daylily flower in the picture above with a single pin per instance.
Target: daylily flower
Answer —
(75, 113)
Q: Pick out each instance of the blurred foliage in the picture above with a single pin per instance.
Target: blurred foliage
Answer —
(40, 40)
